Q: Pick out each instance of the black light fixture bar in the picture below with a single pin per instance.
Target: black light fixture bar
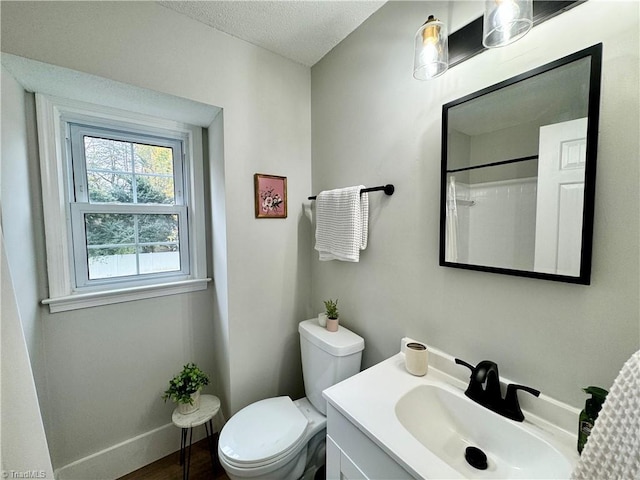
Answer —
(467, 42)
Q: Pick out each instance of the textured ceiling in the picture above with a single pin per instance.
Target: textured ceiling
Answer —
(303, 31)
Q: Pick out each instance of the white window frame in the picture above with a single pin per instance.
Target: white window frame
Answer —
(65, 292)
(80, 205)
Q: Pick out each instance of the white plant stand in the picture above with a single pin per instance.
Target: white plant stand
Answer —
(209, 407)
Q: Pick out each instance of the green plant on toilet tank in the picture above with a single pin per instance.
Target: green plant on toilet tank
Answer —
(185, 384)
(331, 308)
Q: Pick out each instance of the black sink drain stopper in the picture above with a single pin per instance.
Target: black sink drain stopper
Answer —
(476, 458)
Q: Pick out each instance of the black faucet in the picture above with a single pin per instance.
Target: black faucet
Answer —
(484, 388)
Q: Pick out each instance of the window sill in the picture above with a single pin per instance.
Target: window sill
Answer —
(95, 299)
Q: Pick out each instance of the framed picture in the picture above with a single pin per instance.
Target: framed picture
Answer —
(270, 196)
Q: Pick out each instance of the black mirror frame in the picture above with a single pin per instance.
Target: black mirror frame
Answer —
(595, 54)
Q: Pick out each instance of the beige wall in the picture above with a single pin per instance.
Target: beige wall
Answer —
(374, 124)
(106, 367)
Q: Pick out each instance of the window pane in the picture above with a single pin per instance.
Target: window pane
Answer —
(159, 259)
(155, 190)
(130, 244)
(128, 172)
(112, 262)
(109, 229)
(109, 187)
(158, 228)
(108, 155)
(153, 159)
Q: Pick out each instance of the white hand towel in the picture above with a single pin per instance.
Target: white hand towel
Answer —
(612, 450)
(342, 223)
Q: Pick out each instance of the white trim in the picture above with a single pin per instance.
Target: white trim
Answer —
(50, 140)
(52, 115)
(194, 176)
(107, 297)
(128, 456)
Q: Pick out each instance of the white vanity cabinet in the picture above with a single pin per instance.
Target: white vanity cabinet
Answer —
(352, 455)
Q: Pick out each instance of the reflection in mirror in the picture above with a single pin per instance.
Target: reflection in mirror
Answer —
(518, 173)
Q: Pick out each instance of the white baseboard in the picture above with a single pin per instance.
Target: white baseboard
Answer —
(125, 457)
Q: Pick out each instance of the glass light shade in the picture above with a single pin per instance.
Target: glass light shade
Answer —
(505, 21)
(431, 58)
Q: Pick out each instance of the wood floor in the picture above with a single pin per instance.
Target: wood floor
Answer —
(169, 468)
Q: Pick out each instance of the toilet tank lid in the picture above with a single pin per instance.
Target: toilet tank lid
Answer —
(341, 343)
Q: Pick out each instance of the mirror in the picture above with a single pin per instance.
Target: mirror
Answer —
(518, 173)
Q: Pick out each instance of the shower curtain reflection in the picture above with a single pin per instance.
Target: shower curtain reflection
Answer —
(451, 253)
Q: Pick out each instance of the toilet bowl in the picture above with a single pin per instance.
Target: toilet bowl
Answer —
(273, 439)
(281, 439)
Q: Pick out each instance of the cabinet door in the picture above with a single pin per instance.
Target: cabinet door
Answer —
(333, 460)
(339, 465)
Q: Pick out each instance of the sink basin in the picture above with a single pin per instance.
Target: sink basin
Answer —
(446, 422)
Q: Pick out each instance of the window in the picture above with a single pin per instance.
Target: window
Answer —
(129, 217)
(127, 194)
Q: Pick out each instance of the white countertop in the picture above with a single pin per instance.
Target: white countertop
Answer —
(368, 400)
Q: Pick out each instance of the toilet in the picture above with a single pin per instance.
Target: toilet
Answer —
(282, 439)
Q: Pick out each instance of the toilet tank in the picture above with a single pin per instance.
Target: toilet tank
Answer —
(327, 358)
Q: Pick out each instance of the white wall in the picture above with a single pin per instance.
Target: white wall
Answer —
(23, 445)
(20, 211)
(106, 367)
(374, 124)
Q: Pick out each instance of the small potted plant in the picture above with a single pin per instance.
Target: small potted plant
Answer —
(332, 314)
(184, 388)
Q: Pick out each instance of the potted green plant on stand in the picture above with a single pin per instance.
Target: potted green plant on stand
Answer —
(332, 314)
(184, 388)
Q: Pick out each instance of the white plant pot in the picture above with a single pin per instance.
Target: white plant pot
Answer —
(322, 319)
(186, 408)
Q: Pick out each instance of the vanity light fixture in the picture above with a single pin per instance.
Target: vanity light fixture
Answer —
(431, 56)
(506, 21)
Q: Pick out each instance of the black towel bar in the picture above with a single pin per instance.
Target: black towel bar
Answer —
(388, 189)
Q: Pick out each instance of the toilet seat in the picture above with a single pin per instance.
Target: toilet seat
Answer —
(263, 433)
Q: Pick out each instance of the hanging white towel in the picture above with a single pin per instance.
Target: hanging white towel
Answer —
(342, 223)
(612, 450)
